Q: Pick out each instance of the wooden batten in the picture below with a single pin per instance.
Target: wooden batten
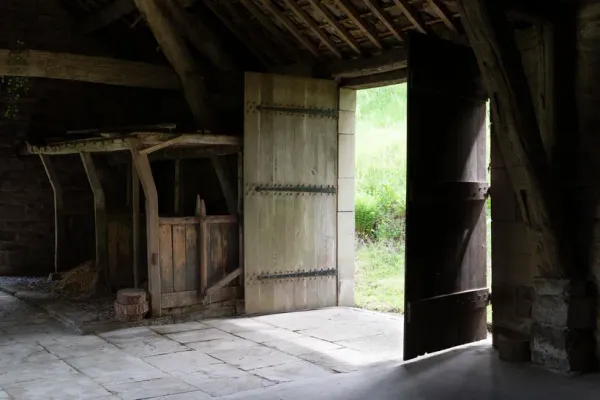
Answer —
(76, 67)
(440, 9)
(413, 15)
(385, 19)
(312, 25)
(99, 212)
(289, 25)
(355, 17)
(344, 34)
(59, 213)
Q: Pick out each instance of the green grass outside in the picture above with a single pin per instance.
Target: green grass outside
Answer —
(381, 199)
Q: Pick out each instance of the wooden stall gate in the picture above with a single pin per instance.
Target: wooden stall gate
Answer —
(199, 260)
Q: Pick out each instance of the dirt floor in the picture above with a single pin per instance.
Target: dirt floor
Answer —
(42, 359)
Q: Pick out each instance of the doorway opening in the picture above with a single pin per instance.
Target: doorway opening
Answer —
(380, 205)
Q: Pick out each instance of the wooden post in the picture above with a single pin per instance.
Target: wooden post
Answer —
(201, 212)
(226, 183)
(142, 166)
(99, 212)
(240, 182)
(59, 213)
(135, 210)
(500, 63)
(177, 188)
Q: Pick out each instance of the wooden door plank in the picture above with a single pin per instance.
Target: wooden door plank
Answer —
(179, 258)
(192, 259)
(166, 258)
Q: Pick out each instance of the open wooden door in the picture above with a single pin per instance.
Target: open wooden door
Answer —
(290, 171)
(446, 290)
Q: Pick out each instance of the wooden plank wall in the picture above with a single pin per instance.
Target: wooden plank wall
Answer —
(180, 268)
(120, 253)
(223, 251)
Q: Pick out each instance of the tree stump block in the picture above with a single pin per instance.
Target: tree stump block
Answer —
(131, 305)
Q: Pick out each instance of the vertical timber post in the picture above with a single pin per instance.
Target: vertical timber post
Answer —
(99, 213)
(201, 212)
(135, 210)
(59, 212)
(144, 171)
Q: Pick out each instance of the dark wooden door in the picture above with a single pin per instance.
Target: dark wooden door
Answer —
(446, 289)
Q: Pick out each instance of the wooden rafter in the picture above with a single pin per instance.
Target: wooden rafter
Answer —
(175, 50)
(236, 32)
(205, 41)
(266, 23)
(354, 16)
(440, 9)
(500, 62)
(412, 15)
(335, 24)
(291, 27)
(75, 67)
(312, 25)
(385, 19)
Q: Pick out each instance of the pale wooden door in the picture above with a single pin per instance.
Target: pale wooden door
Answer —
(290, 161)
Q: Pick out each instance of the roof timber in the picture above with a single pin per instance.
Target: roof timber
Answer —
(385, 19)
(75, 67)
(336, 25)
(355, 17)
(413, 15)
(291, 27)
(110, 144)
(307, 19)
(440, 9)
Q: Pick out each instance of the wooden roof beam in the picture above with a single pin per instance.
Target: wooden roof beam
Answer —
(203, 39)
(354, 16)
(393, 77)
(176, 51)
(412, 15)
(387, 61)
(75, 67)
(270, 27)
(103, 145)
(440, 9)
(335, 24)
(289, 25)
(385, 19)
(312, 25)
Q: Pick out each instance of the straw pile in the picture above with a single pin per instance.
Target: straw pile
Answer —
(80, 280)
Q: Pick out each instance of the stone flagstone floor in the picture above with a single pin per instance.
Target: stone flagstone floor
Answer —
(41, 359)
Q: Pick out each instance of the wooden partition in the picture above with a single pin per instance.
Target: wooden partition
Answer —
(197, 253)
(120, 250)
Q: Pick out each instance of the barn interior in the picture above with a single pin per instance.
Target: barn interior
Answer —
(200, 154)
